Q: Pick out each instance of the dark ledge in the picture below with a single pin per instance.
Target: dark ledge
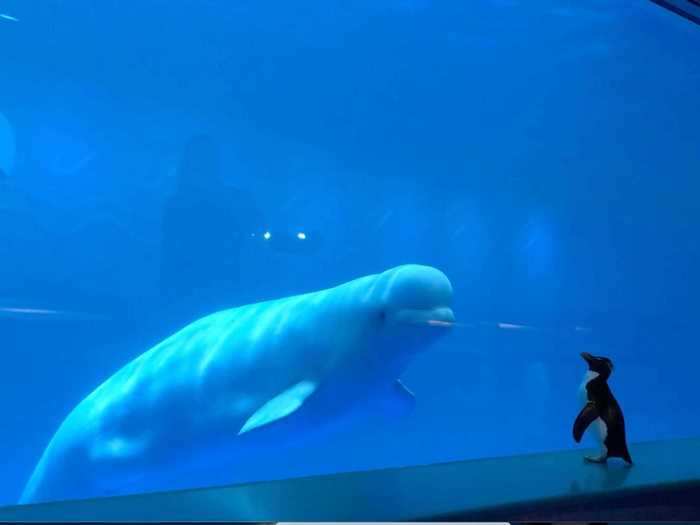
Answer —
(664, 485)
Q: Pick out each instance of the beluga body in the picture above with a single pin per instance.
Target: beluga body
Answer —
(183, 413)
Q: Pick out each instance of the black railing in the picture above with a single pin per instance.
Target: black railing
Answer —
(688, 9)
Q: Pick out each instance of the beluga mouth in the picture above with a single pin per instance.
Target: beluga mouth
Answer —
(416, 295)
(441, 316)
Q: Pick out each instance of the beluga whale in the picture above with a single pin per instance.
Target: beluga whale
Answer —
(181, 414)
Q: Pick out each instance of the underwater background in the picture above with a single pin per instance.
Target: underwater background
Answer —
(544, 154)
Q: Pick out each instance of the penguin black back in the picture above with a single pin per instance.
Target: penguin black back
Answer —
(600, 404)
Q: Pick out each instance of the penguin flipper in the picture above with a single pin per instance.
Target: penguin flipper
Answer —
(588, 415)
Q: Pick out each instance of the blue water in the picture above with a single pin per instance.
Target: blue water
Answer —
(543, 154)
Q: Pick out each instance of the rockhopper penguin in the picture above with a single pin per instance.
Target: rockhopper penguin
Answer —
(601, 409)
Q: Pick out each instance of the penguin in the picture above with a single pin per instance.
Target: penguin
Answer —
(601, 409)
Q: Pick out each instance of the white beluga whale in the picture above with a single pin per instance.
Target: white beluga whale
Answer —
(180, 415)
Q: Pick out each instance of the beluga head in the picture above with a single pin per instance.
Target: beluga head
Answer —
(415, 296)
(402, 311)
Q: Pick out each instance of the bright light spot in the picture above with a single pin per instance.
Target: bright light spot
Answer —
(267, 236)
(301, 236)
(9, 17)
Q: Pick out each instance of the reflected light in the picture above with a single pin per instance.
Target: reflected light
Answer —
(29, 311)
(35, 313)
(511, 326)
(267, 236)
(435, 322)
(301, 236)
(7, 145)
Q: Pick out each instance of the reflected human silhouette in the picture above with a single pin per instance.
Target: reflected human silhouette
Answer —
(205, 226)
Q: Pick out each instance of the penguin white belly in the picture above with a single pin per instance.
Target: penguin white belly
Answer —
(599, 426)
(583, 394)
(601, 434)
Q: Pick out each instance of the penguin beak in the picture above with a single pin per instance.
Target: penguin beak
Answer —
(587, 357)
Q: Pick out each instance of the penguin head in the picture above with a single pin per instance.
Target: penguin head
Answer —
(598, 364)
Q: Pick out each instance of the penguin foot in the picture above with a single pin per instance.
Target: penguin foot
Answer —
(595, 459)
